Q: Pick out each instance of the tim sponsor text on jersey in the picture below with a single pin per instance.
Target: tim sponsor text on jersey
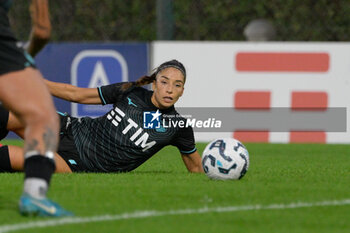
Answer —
(116, 115)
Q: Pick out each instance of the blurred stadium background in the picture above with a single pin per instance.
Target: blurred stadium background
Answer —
(118, 20)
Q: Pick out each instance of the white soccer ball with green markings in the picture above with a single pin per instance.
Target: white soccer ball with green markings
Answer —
(225, 159)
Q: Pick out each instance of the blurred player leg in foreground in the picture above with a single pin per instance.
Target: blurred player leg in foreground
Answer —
(23, 91)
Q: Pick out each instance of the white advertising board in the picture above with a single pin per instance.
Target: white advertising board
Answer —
(269, 75)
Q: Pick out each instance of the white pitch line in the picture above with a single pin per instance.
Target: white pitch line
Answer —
(156, 213)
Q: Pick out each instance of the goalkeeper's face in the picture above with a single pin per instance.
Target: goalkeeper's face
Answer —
(168, 87)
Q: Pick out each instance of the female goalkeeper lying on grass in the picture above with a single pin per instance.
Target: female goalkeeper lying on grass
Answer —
(117, 141)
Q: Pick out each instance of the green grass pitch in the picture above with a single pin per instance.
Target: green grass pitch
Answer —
(278, 174)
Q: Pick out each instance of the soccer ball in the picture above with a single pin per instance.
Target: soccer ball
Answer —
(225, 158)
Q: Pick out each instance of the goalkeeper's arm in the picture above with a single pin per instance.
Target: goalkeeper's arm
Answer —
(41, 26)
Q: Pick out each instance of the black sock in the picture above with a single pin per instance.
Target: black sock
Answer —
(38, 171)
(38, 166)
(4, 117)
(5, 164)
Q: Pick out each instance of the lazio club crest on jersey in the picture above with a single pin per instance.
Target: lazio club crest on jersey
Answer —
(151, 120)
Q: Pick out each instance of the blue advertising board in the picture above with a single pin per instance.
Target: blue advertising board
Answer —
(92, 65)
